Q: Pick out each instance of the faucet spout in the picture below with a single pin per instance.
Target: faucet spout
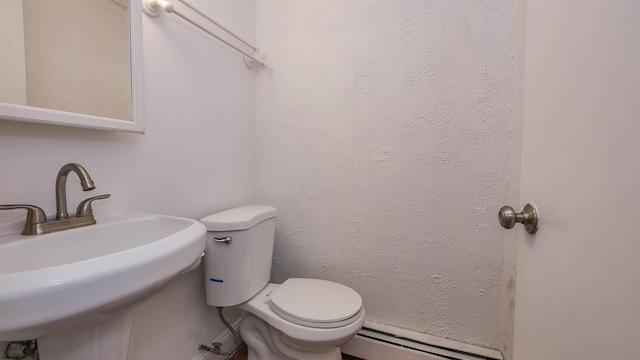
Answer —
(61, 187)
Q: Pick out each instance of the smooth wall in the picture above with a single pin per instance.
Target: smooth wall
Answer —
(197, 157)
(383, 140)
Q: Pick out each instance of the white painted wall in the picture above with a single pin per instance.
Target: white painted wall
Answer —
(383, 140)
(197, 157)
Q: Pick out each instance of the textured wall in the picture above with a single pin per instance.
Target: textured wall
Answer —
(383, 140)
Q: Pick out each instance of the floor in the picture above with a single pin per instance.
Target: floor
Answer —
(241, 354)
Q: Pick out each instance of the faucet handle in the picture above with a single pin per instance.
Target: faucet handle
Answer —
(85, 209)
(35, 215)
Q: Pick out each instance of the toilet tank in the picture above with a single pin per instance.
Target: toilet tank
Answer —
(237, 269)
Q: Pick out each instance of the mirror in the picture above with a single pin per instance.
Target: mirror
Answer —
(72, 62)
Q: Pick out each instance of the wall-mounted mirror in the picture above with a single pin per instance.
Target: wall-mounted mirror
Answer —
(72, 62)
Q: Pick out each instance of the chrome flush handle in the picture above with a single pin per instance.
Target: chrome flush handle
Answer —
(226, 240)
(528, 217)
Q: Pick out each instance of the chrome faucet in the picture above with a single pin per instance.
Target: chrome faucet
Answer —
(61, 187)
(37, 223)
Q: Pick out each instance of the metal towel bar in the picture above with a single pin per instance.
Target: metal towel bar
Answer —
(152, 8)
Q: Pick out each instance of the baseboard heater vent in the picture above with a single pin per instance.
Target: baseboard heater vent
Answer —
(381, 342)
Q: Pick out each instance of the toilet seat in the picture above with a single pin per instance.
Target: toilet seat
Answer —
(316, 303)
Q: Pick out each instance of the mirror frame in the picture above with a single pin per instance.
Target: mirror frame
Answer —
(32, 114)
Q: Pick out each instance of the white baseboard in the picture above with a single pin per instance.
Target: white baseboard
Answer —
(382, 342)
(226, 338)
(369, 349)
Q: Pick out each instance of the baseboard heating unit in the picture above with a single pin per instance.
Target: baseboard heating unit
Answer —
(382, 342)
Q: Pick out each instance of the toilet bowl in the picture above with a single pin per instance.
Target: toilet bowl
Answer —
(265, 330)
(300, 319)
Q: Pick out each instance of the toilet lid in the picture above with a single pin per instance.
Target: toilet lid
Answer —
(316, 303)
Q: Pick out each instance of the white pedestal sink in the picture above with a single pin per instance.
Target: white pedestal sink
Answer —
(74, 277)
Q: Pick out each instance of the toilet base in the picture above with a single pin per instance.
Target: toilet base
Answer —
(264, 342)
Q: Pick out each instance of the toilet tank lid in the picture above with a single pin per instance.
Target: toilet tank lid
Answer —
(240, 218)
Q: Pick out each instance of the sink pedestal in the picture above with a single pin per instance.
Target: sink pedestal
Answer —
(109, 340)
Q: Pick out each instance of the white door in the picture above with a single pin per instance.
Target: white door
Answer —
(578, 280)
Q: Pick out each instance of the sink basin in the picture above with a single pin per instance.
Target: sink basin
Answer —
(68, 278)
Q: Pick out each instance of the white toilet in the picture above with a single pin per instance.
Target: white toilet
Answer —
(301, 319)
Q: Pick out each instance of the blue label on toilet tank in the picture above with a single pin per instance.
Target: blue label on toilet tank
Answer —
(216, 280)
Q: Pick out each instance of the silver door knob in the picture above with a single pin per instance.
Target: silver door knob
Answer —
(528, 217)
